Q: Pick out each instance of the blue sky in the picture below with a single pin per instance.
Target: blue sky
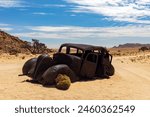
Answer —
(97, 22)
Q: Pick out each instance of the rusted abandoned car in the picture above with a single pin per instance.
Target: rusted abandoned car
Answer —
(85, 61)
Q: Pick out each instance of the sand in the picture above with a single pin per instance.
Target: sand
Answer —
(130, 82)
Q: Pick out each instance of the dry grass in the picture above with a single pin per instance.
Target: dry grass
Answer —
(62, 82)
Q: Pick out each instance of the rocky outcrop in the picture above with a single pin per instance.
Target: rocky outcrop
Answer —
(11, 44)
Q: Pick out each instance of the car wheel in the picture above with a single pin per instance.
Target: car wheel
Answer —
(110, 70)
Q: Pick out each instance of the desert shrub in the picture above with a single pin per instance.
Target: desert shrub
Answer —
(143, 48)
(14, 52)
(148, 56)
(118, 54)
(132, 59)
(62, 82)
(23, 57)
(28, 53)
(123, 54)
(119, 50)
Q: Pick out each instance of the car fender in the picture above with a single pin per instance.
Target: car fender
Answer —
(51, 73)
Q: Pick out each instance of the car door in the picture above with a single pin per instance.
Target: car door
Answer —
(89, 65)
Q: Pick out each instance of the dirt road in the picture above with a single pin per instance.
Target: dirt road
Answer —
(137, 76)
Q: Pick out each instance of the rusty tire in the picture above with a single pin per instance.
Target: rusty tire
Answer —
(110, 70)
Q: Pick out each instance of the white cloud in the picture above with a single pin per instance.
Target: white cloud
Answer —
(55, 5)
(2, 24)
(118, 10)
(42, 13)
(52, 28)
(73, 15)
(75, 32)
(6, 29)
(11, 3)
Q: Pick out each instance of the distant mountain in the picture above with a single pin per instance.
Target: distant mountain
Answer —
(132, 45)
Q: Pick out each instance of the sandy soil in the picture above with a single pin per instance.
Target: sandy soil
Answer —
(131, 81)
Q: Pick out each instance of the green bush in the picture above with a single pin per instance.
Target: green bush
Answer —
(62, 82)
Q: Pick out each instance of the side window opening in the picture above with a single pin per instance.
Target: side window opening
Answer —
(63, 50)
(73, 51)
(76, 52)
(96, 51)
(92, 58)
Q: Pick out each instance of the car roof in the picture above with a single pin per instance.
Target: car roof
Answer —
(83, 46)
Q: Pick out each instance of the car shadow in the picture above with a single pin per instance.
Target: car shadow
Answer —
(82, 79)
(36, 82)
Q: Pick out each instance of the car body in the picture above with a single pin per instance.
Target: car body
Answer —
(81, 59)
(85, 60)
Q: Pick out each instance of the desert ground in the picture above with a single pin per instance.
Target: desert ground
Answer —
(130, 82)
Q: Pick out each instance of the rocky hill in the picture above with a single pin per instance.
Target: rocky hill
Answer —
(132, 45)
(11, 44)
